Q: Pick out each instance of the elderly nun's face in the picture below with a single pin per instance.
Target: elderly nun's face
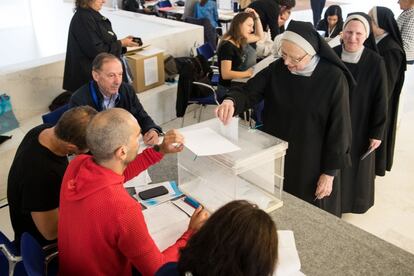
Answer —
(354, 35)
(295, 58)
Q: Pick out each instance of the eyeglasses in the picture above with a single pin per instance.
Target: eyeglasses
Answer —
(293, 60)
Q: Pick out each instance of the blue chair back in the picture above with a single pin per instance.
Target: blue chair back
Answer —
(54, 116)
(33, 255)
(164, 4)
(206, 51)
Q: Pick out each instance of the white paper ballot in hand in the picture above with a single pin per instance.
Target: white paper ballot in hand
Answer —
(205, 141)
(231, 130)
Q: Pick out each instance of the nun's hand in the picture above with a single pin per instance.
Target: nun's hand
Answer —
(324, 186)
(374, 143)
(225, 111)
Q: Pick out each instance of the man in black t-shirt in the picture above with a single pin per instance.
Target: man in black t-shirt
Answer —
(37, 170)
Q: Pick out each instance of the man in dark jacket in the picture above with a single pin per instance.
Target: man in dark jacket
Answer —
(107, 90)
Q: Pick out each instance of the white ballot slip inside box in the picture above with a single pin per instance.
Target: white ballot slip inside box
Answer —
(231, 130)
(205, 142)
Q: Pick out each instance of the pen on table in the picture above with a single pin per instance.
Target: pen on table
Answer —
(192, 202)
(181, 209)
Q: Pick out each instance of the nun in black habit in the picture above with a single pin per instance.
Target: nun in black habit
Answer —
(306, 103)
(368, 103)
(390, 47)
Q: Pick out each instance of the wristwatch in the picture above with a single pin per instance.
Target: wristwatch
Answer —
(156, 148)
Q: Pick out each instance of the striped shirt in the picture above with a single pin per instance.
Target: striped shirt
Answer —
(406, 24)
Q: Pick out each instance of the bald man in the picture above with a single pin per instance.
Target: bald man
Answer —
(102, 230)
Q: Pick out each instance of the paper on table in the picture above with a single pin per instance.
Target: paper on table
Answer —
(289, 262)
(166, 223)
(205, 141)
(140, 180)
(150, 71)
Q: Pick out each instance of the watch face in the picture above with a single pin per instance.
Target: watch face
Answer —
(156, 148)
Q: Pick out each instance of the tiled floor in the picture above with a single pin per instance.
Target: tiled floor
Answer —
(392, 217)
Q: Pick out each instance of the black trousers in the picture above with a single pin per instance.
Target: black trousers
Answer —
(317, 7)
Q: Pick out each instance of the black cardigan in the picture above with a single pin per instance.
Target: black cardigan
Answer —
(90, 33)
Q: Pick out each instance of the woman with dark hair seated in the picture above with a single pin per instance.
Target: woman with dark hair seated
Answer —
(332, 22)
(238, 239)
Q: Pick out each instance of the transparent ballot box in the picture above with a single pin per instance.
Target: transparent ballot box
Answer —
(253, 173)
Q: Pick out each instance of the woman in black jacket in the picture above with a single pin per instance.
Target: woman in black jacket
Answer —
(90, 33)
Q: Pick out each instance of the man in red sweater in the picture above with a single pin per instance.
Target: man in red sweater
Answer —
(102, 230)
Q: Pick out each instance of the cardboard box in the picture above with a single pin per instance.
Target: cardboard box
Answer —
(147, 68)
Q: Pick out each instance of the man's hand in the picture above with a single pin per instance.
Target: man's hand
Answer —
(225, 111)
(173, 142)
(151, 137)
(198, 218)
(324, 186)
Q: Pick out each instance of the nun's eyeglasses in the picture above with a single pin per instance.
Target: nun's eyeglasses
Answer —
(293, 60)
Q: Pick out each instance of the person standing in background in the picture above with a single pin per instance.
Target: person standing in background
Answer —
(368, 105)
(268, 11)
(390, 47)
(90, 33)
(406, 24)
(207, 9)
(317, 7)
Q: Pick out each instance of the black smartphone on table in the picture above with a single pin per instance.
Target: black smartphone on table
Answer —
(153, 192)
(137, 40)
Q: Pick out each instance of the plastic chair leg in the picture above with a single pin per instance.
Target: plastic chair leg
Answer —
(199, 114)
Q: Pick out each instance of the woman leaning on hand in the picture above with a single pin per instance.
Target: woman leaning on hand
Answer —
(90, 33)
(235, 55)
